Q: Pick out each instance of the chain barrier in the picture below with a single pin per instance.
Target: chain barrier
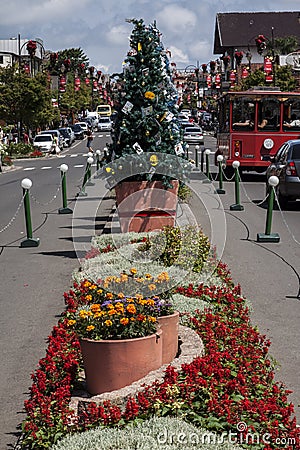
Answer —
(47, 203)
(283, 218)
(14, 216)
(245, 192)
(225, 177)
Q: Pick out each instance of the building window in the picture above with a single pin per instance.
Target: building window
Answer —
(1, 59)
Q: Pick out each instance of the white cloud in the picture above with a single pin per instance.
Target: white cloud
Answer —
(176, 19)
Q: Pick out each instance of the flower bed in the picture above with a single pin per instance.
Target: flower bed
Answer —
(232, 383)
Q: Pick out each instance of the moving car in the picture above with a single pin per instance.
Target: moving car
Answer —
(286, 166)
(104, 124)
(84, 126)
(43, 142)
(193, 135)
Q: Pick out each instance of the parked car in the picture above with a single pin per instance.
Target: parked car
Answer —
(68, 137)
(84, 126)
(78, 131)
(286, 166)
(43, 142)
(104, 124)
(194, 135)
(55, 133)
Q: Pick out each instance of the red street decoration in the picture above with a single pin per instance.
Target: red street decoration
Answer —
(208, 81)
(269, 78)
(77, 84)
(87, 81)
(268, 66)
(53, 58)
(81, 67)
(226, 60)
(62, 84)
(31, 48)
(95, 86)
(260, 42)
(26, 68)
(218, 81)
(245, 73)
(204, 68)
(67, 63)
(238, 57)
(232, 78)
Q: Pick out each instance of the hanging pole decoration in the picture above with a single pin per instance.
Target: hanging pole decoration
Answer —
(237, 206)
(26, 184)
(245, 73)
(267, 236)
(261, 43)
(218, 81)
(76, 84)
(64, 210)
(232, 78)
(220, 189)
(268, 69)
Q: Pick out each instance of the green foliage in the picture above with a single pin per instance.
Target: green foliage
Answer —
(20, 149)
(184, 192)
(185, 247)
(25, 99)
(156, 433)
(284, 79)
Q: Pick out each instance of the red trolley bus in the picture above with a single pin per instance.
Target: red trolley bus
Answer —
(254, 123)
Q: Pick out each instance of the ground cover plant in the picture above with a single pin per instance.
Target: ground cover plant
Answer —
(231, 384)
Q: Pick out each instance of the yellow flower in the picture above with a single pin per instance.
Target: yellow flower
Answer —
(99, 291)
(152, 287)
(133, 270)
(98, 314)
(121, 295)
(148, 275)
(138, 297)
(71, 322)
(83, 314)
(93, 287)
(150, 95)
(152, 319)
(108, 169)
(131, 300)
(88, 297)
(124, 277)
(109, 295)
(111, 312)
(90, 328)
(163, 276)
(124, 321)
(108, 323)
(86, 284)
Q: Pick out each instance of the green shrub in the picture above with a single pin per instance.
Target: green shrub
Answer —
(20, 149)
(184, 193)
(156, 433)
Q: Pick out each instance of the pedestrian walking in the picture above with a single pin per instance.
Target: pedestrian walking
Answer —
(89, 140)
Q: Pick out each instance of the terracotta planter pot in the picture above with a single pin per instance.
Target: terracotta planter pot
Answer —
(146, 206)
(169, 326)
(113, 364)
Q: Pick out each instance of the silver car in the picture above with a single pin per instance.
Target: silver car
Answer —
(104, 124)
(286, 166)
(193, 135)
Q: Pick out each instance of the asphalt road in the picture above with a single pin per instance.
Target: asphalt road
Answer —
(33, 279)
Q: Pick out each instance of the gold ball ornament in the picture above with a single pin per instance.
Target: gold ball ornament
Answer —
(153, 160)
(147, 133)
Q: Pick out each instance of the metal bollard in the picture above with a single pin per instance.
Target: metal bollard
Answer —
(267, 236)
(220, 190)
(26, 184)
(98, 153)
(207, 152)
(187, 151)
(237, 206)
(87, 175)
(64, 210)
(196, 155)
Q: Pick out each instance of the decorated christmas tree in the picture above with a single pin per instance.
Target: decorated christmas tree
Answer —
(147, 129)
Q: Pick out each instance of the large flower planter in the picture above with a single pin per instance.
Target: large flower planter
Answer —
(169, 326)
(146, 206)
(114, 364)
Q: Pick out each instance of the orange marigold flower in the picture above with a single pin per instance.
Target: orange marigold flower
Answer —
(109, 295)
(111, 312)
(86, 284)
(152, 319)
(99, 291)
(90, 328)
(148, 275)
(93, 287)
(141, 318)
(95, 307)
(133, 270)
(121, 295)
(124, 321)
(139, 296)
(131, 309)
(88, 297)
(83, 314)
(98, 314)
(152, 287)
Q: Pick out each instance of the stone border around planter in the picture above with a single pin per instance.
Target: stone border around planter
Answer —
(190, 346)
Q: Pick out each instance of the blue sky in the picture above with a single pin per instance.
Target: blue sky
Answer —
(99, 27)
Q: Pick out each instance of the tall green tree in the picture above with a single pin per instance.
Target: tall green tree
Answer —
(24, 99)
